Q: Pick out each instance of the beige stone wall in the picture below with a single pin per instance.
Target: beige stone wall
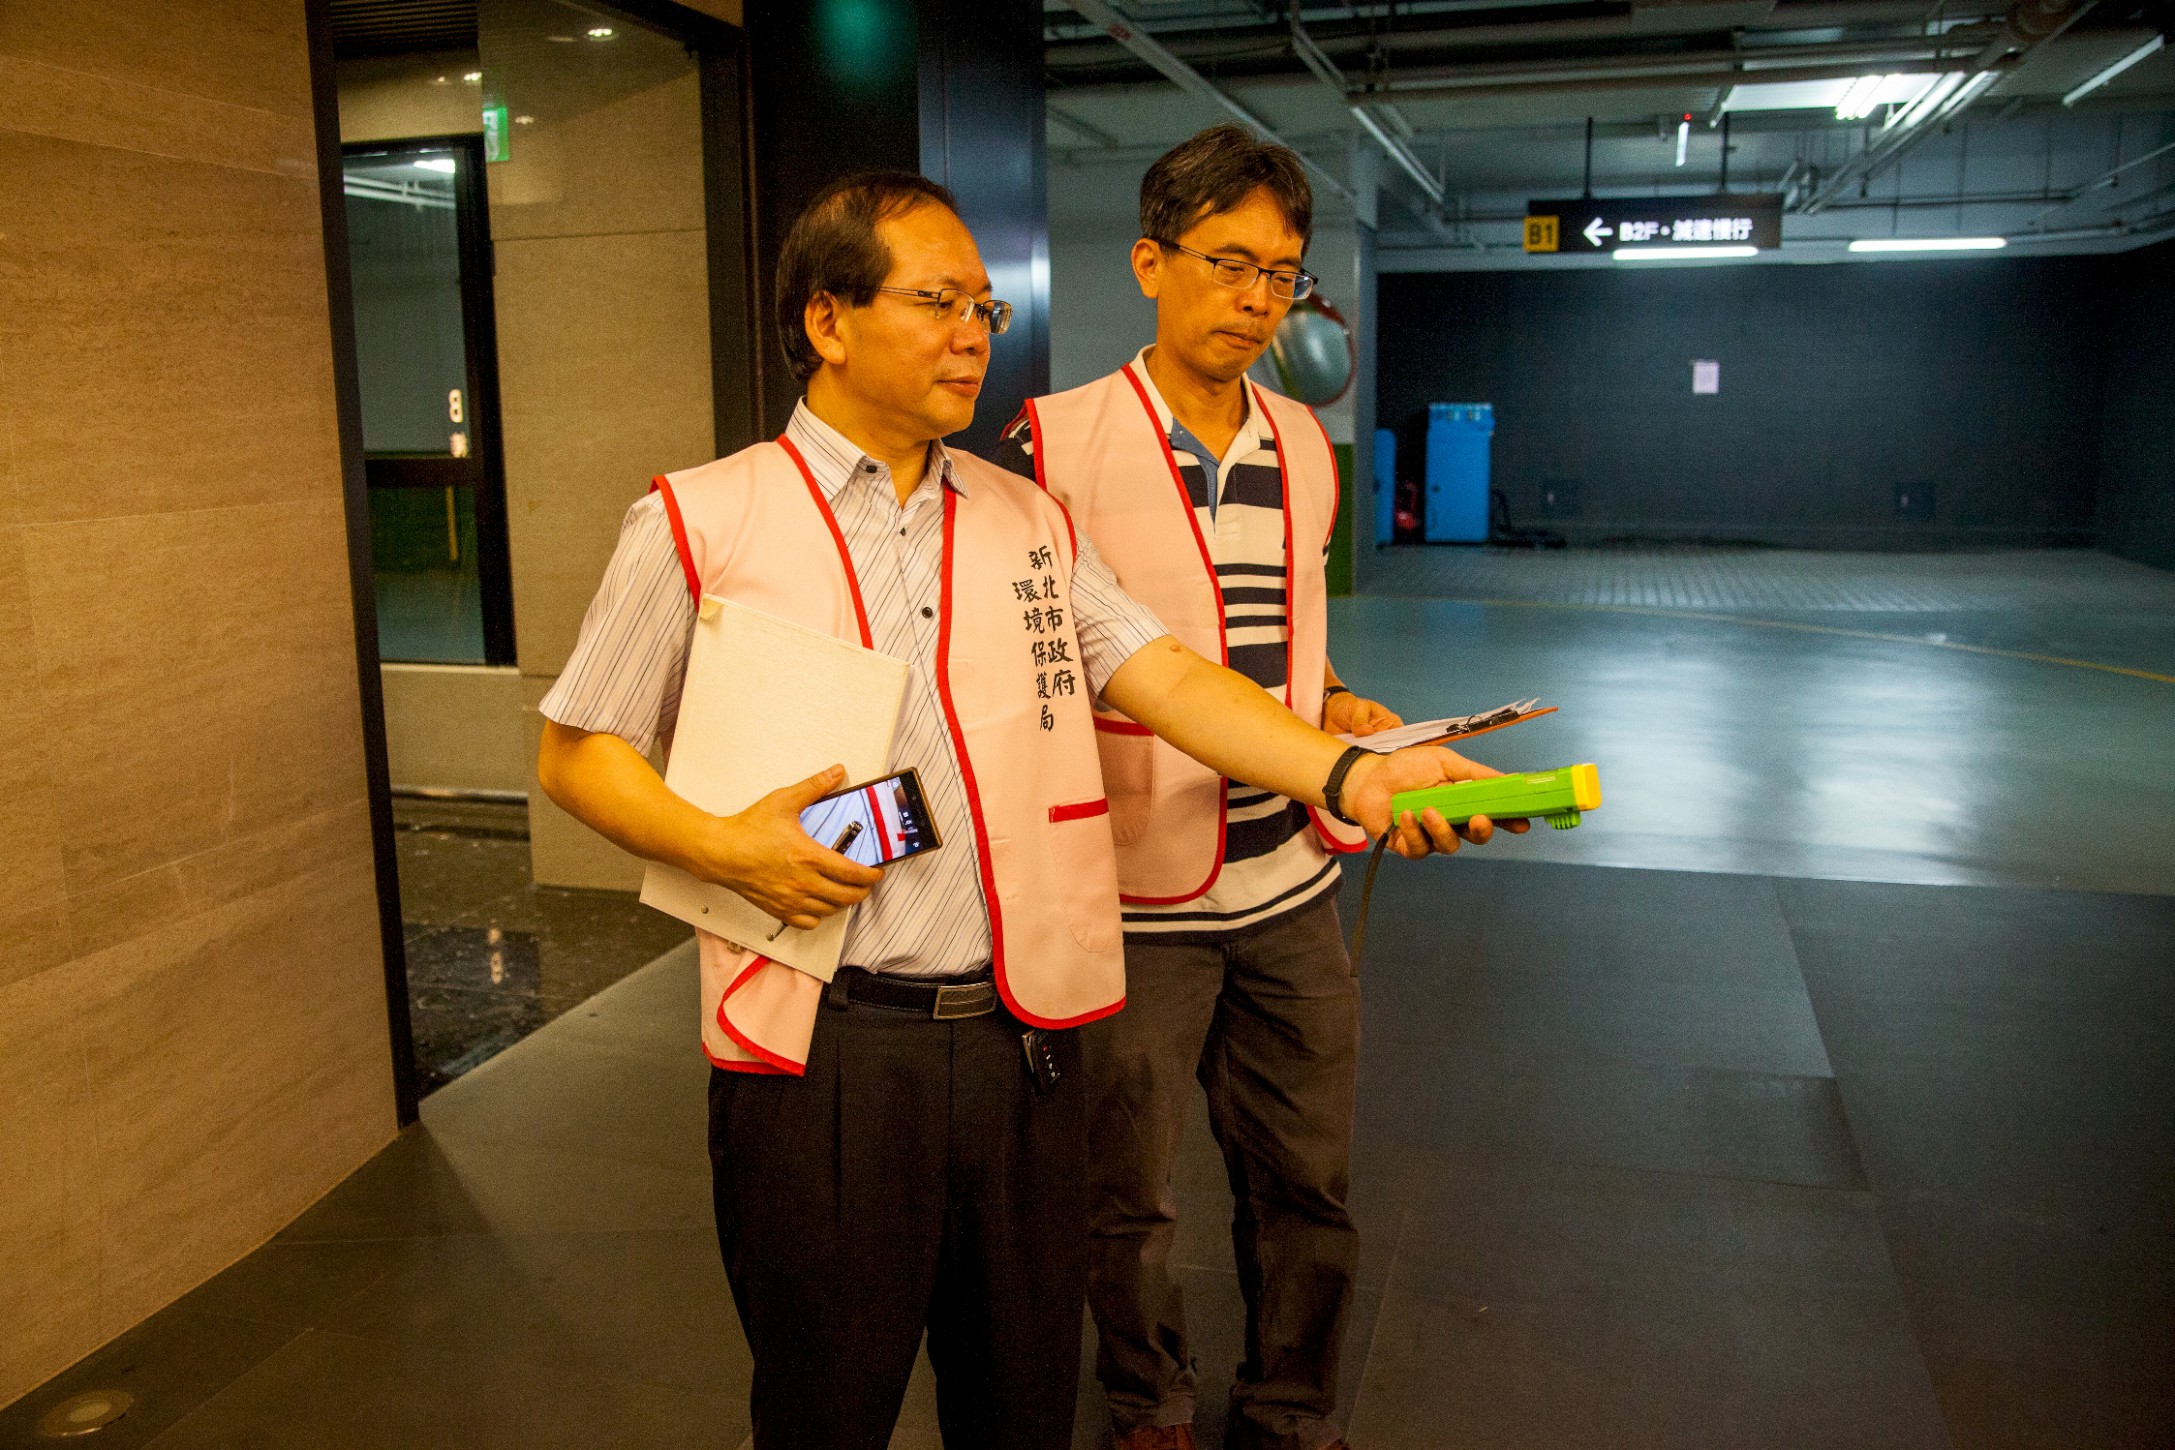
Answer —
(192, 1017)
(398, 97)
(603, 340)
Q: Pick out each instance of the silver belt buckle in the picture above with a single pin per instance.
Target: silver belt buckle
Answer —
(967, 999)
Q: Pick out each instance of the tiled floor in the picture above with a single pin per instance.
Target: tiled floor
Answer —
(491, 956)
(1849, 1129)
(1645, 1158)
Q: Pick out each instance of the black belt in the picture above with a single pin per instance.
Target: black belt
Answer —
(942, 998)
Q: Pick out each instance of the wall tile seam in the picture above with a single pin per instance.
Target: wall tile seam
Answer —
(304, 118)
(509, 239)
(289, 172)
(78, 895)
(165, 107)
(336, 500)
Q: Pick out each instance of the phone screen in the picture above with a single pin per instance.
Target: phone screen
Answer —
(874, 824)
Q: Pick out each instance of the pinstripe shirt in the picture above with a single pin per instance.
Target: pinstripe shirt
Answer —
(927, 917)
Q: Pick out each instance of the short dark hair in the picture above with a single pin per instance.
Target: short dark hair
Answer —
(833, 247)
(1216, 172)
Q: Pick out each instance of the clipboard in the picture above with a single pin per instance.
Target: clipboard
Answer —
(1454, 727)
(767, 702)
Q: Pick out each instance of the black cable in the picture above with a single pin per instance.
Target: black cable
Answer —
(1366, 896)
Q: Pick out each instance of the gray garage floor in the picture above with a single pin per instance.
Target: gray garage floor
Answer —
(1818, 1091)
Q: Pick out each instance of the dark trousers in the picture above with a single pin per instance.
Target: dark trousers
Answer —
(1267, 1019)
(913, 1179)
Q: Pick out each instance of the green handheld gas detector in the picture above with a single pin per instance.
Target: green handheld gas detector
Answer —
(1556, 796)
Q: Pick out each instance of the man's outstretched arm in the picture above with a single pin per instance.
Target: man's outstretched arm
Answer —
(1237, 729)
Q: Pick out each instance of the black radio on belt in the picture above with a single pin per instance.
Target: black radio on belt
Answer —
(1041, 1061)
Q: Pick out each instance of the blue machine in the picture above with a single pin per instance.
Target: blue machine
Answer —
(1385, 485)
(1457, 472)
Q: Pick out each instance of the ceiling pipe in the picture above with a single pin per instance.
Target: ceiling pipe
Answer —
(1119, 27)
(1254, 39)
(2031, 24)
(1393, 147)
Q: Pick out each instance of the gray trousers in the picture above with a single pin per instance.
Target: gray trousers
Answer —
(1267, 1019)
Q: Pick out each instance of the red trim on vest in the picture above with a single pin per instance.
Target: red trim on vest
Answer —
(1336, 479)
(1223, 644)
(760, 1069)
(1291, 563)
(983, 861)
(746, 1043)
(1185, 503)
(830, 521)
(1034, 443)
(1121, 727)
(1081, 811)
(1328, 842)
(659, 485)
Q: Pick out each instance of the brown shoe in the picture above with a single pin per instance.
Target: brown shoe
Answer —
(1157, 1437)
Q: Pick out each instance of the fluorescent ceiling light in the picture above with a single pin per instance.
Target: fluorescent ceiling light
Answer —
(1933, 96)
(2114, 70)
(1681, 254)
(600, 32)
(1857, 103)
(1929, 244)
(1684, 138)
(1786, 95)
(444, 164)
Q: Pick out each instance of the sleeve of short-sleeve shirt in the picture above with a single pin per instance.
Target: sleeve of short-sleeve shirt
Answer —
(1111, 623)
(625, 673)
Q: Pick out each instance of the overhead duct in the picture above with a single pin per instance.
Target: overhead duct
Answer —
(1119, 27)
(1392, 146)
(2030, 25)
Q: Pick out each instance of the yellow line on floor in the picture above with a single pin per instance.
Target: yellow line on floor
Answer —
(1917, 639)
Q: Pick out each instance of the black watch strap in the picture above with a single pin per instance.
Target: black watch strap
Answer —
(1333, 788)
(1330, 692)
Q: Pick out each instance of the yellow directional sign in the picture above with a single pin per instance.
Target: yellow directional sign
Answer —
(1541, 233)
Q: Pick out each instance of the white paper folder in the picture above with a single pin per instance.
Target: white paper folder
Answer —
(767, 703)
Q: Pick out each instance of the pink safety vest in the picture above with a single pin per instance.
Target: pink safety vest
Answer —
(1102, 452)
(755, 528)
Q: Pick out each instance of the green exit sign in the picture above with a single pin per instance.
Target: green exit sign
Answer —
(498, 140)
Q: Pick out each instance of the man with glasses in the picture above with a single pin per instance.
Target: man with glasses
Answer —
(1213, 501)
(901, 1151)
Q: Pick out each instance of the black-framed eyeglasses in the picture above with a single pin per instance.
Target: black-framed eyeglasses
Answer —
(951, 305)
(1231, 272)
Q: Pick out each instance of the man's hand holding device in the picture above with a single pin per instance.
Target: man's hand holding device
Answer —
(1374, 779)
(765, 855)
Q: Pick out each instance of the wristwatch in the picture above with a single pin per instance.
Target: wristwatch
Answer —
(1333, 788)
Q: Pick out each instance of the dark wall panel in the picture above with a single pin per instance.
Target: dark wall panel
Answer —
(1838, 385)
(951, 88)
(2137, 451)
(982, 135)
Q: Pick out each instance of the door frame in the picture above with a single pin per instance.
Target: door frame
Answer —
(720, 50)
(483, 472)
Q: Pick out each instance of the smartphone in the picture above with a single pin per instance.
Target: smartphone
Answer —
(875, 824)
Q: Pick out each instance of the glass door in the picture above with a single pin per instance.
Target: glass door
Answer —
(419, 255)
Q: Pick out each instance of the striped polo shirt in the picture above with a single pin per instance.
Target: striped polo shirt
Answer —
(927, 917)
(1272, 862)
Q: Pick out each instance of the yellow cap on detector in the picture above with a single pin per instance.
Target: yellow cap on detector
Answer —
(1586, 787)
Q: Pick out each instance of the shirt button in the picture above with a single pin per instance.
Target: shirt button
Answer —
(927, 612)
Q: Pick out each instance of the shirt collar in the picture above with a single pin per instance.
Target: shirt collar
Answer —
(1249, 426)
(835, 459)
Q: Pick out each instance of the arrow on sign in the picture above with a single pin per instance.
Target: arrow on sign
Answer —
(1596, 233)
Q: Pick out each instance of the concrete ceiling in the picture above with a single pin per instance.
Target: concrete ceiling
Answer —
(1494, 100)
